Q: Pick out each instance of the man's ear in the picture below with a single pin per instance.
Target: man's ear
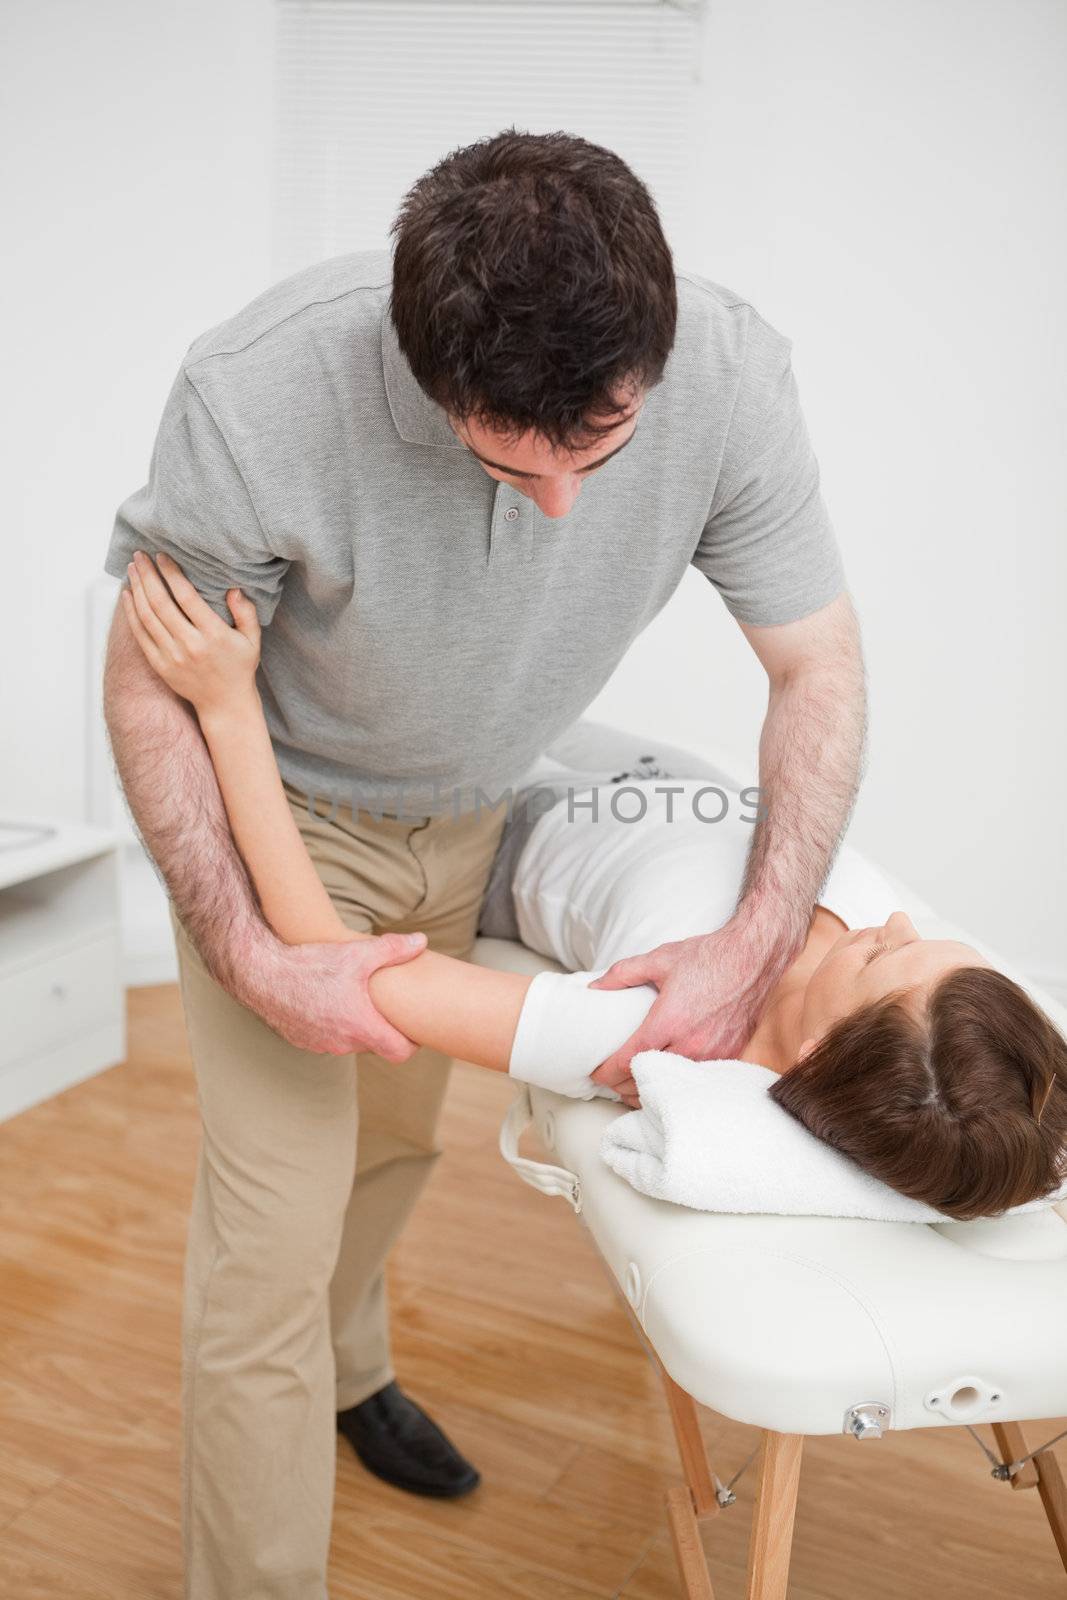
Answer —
(806, 1048)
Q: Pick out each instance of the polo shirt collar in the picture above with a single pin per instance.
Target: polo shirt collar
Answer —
(418, 419)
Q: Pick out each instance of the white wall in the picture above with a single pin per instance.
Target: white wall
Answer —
(885, 183)
(136, 203)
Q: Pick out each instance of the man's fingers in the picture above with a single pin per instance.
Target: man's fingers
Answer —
(390, 949)
(387, 1041)
(616, 1069)
(624, 974)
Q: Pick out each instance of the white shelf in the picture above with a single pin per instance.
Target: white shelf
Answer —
(52, 843)
(62, 1001)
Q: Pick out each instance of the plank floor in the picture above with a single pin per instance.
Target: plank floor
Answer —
(505, 1327)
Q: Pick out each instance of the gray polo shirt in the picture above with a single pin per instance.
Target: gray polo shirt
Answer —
(427, 630)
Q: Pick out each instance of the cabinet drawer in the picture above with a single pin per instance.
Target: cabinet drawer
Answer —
(53, 999)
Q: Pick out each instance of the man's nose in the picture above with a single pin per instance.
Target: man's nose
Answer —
(557, 501)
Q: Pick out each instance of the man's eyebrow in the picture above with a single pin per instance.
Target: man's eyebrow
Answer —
(513, 472)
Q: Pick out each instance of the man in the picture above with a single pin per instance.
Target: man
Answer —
(456, 484)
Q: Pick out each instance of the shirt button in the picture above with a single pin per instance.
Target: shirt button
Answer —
(511, 513)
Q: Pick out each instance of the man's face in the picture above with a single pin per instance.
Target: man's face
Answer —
(553, 481)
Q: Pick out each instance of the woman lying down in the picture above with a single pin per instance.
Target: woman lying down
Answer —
(914, 1056)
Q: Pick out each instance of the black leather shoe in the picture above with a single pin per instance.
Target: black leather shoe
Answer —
(395, 1439)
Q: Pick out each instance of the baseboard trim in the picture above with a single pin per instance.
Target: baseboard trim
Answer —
(27, 1083)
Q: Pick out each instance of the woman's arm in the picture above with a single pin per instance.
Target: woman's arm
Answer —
(460, 1009)
(294, 899)
(213, 666)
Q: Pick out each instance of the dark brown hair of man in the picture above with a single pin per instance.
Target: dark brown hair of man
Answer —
(533, 287)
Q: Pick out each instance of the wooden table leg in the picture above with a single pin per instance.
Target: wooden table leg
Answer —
(1012, 1447)
(688, 1507)
(1053, 1491)
(1043, 1473)
(771, 1538)
(694, 1456)
(685, 1534)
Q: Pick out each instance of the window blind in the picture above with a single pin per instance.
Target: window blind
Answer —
(371, 93)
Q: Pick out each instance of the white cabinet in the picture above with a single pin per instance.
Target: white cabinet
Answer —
(62, 1003)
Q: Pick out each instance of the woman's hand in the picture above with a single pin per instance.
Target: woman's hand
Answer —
(196, 654)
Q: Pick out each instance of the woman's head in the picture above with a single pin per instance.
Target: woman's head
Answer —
(931, 1070)
(866, 964)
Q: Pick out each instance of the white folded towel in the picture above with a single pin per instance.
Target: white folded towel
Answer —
(709, 1136)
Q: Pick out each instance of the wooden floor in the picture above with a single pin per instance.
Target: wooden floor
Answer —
(505, 1327)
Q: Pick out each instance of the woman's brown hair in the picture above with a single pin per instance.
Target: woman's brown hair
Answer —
(962, 1105)
(533, 287)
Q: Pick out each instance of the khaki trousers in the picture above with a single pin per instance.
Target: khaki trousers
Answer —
(309, 1166)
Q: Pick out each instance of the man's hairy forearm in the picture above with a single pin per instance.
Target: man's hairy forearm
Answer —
(811, 755)
(173, 796)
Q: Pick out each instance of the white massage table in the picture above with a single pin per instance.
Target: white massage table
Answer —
(891, 1325)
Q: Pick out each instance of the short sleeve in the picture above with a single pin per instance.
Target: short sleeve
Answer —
(768, 545)
(197, 508)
